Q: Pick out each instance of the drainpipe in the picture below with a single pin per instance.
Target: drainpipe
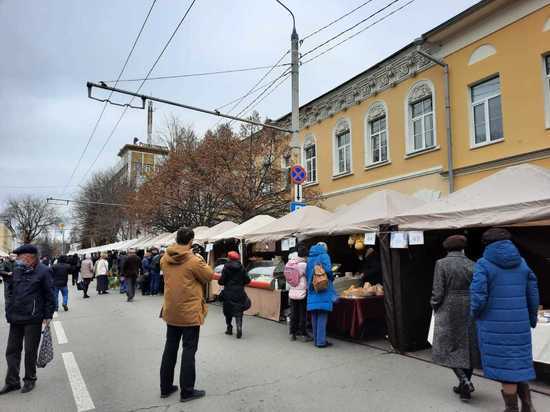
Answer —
(447, 113)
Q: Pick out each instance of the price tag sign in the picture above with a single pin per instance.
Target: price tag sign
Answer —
(399, 240)
(416, 238)
(209, 247)
(370, 238)
(292, 242)
(285, 245)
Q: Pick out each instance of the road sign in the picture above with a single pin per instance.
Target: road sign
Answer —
(294, 206)
(298, 174)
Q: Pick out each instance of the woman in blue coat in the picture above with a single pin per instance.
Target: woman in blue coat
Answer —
(504, 299)
(319, 303)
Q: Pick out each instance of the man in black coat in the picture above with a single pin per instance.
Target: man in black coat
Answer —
(29, 305)
(61, 272)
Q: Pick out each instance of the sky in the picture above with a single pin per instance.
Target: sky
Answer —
(50, 49)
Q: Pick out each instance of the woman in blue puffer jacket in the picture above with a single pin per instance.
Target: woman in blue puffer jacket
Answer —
(319, 303)
(504, 299)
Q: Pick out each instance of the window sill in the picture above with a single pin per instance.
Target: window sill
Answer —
(309, 184)
(480, 145)
(421, 152)
(377, 165)
(342, 175)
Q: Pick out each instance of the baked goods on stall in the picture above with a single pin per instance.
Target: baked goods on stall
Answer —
(354, 292)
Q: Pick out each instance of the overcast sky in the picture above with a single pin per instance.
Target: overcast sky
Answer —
(49, 49)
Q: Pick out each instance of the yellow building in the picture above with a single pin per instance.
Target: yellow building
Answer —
(389, 128)
(7, 235)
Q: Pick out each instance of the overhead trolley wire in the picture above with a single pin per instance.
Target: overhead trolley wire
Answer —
(139, 88)
(106, 103)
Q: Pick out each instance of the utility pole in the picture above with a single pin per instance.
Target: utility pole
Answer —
(150, 123)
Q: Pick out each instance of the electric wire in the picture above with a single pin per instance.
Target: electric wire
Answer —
(200, 74)
(139, 88)
(350, 28)
(105, 105)
(359, 32)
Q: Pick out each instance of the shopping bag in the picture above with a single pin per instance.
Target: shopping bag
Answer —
(80, 285)
(45, 354)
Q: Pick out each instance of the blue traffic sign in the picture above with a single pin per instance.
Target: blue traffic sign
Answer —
(294, 206)
(298, 174)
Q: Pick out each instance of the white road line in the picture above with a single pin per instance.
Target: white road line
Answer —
(59, 332)
(81, 395)
(55, 315)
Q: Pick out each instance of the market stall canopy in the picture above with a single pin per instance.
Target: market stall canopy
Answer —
(3, 253)
(297, 222)
(205, 236)
(241, 231)
(171, 237)
(517, 194)
(367, 214)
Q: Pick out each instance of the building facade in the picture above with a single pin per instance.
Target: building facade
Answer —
(395, 126)
(7, 235)
(139, 160)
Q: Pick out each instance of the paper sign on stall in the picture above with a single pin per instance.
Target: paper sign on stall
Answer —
(370, 238)
(416, 238)
(209, 247)
(292, 242)
(398, 240)
(285, 245)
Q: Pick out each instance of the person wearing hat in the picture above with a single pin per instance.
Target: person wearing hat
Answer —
(29, 304)
(455, 340)
(235, 301)
(504, 298)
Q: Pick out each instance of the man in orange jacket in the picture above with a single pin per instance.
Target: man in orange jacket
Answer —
(184, 311)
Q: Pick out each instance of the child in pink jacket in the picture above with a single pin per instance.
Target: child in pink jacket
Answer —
(296, 268)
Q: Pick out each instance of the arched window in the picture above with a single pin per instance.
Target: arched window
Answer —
(376, 134)
(342, 147)
(420, 115)
(310, 158)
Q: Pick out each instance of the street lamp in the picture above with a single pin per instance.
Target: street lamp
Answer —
(294, 65)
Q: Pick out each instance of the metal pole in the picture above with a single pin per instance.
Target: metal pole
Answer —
(446, 85)
(295, 75)
(144, 97)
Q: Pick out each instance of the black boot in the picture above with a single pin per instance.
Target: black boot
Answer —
(239, 322)
(511, 402)
(229, 330)
(524, 394)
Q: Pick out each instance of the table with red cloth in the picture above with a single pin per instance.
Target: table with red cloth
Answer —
(348, 316)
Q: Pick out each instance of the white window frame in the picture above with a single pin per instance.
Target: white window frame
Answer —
(310, 141)
(341, 126)
(546, 86)
(485, 102)
(418, 92)
(376, 111)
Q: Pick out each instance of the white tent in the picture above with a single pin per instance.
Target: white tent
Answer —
(297, 222)
(367, 214)
(3, 253)
(242, 230)
(206, 235)
(517, 194)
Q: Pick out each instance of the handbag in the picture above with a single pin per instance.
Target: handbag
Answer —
(247, 303)
(80, 285)
(45, 354)
(320, 279)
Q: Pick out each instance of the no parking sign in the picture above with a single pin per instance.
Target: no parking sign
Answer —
(298, 174)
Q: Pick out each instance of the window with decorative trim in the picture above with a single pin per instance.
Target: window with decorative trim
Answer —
(376, 139)
(342, 148)
(546, 63)
(486, 112)
(421, 118)
(310, 158)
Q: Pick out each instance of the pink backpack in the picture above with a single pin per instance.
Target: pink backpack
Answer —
(292, 273)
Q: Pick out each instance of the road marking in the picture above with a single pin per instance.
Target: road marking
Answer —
(55, 315)
(59, 332)
(81, 395)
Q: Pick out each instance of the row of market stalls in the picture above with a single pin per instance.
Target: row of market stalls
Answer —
(405, 233)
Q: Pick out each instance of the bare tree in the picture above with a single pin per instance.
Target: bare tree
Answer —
(31, 217)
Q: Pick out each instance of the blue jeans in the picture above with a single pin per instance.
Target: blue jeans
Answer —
(319, 320)
(123, 288)
(154, 283)
(64, 291)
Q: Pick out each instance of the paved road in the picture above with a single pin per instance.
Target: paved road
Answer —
(117, 349)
